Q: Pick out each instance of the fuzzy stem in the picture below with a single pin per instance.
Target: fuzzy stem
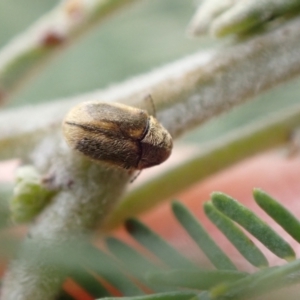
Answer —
(221, 18)
(49, 35)
(186, 93)
(88, 192)
(206, 13)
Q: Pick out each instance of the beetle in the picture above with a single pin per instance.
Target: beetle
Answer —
(117, 134)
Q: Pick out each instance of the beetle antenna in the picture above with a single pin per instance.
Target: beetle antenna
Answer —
(135, 176)
(149, 98)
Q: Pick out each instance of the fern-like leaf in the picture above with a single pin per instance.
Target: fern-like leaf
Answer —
(172, 275)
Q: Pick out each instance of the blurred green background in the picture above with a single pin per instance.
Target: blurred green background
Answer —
(141, 37)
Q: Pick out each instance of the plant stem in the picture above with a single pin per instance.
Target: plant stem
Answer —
(185, 93)
(87, 193)
(26, 53)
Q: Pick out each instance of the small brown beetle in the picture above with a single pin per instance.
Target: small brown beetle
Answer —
(117, 134)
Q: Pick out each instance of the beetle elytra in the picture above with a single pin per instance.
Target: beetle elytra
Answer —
(117, 134)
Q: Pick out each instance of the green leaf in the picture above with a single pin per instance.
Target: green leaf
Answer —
(278, 213)
(253, 224)
(104, 265)
(162, 296)
(157, 245)
(200, 280)
(218, 258)
(259, 283)
(133, 262)
(90, 284)
(236, 236)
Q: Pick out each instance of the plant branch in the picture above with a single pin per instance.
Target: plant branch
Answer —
(49, 35)
(186, 93)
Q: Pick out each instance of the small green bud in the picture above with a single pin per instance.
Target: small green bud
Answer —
(30, 195)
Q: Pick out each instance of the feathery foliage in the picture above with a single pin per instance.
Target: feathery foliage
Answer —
(169, 274)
